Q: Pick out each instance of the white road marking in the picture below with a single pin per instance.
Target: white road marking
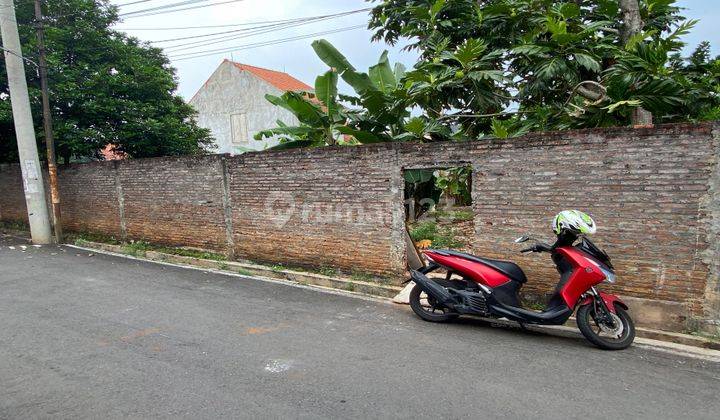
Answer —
(278, 366)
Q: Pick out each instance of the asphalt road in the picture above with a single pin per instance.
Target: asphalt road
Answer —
(89, 335)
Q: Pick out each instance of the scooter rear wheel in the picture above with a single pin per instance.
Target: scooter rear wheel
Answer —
(427, 308)
(604, 337)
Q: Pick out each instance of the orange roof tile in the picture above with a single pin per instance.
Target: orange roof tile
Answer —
(110, 153)
(280, 80)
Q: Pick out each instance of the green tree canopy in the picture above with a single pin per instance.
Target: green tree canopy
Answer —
(559, 64)
(105, 87)
(506, 67)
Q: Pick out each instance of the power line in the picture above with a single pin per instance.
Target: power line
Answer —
(213, 38)
(266, 24)
(230, 25)
(244, 33)
(161, 12)
(198, 54)
(133, 2)
(164, 6)
(49, 18)
(219, 40)
(16, 54)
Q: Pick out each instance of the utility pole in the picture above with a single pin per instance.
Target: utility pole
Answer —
(47, 124)
(24, 129)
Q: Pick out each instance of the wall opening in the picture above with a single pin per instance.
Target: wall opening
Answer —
(238, 123)
(438, 207)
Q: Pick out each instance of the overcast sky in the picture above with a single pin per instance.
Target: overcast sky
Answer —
(297, 57)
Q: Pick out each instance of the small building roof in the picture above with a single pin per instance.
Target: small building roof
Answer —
(280, 80)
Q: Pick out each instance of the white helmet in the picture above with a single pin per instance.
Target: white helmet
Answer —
(574, 221)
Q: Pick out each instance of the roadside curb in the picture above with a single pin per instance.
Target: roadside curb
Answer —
(678, 338)
(256, 270)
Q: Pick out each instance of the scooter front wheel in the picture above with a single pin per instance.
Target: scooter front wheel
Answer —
(427, 308)
(604, 336)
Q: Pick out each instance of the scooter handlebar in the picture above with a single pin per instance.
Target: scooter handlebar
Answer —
(539, 247)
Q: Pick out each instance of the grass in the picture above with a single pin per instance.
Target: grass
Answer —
(709, 336)
(355, 275)
(463, 215)
(323, 270)
(74, 237)
(534, 301)
(441, 237)
(454, 215)
(184, 252)
(136, 248)
(535, 306)
(244, 272)
(14, 225)
(694, 328)
(361, 276)
(141, 247)
(371, 278)
(327, 271)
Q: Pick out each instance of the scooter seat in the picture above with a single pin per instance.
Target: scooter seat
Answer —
(508, 268)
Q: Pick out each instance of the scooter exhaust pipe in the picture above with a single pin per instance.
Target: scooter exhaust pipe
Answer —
(433, 289)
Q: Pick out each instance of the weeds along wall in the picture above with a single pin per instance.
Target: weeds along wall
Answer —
(655, 194)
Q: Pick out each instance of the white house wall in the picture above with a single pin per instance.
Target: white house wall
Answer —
(233, 91)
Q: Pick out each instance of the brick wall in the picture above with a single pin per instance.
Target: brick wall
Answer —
(90, 198)
(330, 206)
(642, 187)
(174, 201)
(655, 194)
(12, 198)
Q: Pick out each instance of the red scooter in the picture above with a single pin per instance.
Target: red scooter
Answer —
(489, 288)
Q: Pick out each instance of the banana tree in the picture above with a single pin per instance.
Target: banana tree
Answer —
(381, 99)
(324, 119)
(319, 113)
(378, 112)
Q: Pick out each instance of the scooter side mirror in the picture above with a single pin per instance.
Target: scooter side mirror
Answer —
(522, 239)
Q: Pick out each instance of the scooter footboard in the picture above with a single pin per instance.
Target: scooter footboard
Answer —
(439, 293)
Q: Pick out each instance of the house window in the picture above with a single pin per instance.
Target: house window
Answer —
(238, 123)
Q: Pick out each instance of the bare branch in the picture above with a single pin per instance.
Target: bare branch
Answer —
(497, 114)
(598, 95)
(611, 30)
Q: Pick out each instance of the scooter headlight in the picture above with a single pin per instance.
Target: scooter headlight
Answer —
(609, 275)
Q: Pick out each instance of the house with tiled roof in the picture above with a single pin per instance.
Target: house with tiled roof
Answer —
(232, 105)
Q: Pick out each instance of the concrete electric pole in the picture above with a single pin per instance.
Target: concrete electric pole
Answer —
(47, 124)
(24, 129)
